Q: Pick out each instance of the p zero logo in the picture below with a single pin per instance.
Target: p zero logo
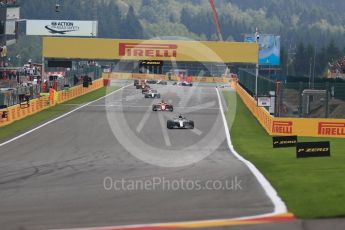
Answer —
(284, 141)
(283, 127)
(331, 129)
(147, 50)
(313, 149)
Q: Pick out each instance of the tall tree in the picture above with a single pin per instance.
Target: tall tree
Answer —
(131, 27)
(300, 61)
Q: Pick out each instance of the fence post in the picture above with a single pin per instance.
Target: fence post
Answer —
(326, 102)
(300, 99)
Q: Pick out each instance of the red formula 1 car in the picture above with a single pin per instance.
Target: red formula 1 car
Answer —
(145, 89)
(162, 106)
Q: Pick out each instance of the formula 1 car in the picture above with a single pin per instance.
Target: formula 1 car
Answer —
(145, 89)
(162, 82)
(141, 84)
(152, 94)
(184, 83)
(151, 81)
(162, 106)
(136, 82)
(180, 122)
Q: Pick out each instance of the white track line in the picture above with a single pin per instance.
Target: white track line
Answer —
(279, 205)
(196, 131)
(59, 117)
(144, 119)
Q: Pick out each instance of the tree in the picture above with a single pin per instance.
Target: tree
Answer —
(109, 27)
(300, 61)
(131, 27)
(283, 59)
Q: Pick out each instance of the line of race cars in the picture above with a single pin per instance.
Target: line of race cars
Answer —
(177, 122)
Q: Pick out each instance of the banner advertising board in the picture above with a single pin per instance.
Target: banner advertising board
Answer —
(284, 141)
(269, 48)
(62, 28)
(162, 50)
(313, 149)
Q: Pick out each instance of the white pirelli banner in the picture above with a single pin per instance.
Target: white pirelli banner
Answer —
(64, 28)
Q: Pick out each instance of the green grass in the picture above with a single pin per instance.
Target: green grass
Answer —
(38, 118)
(311, 187)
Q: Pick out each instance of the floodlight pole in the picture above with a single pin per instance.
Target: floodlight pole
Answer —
(257, 36)
(256, 79)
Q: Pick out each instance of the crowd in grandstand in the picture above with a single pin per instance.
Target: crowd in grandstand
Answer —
(338, 66)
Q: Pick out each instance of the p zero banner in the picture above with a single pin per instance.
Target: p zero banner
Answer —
(62, 28)
(269, 46)
(313, 149)
(163, 50)
(284, 141)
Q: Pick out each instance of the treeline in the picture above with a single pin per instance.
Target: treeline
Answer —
(318, 23)
(114, 22)
(308, 59)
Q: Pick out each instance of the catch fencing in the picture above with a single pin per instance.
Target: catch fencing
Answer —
(298, 99)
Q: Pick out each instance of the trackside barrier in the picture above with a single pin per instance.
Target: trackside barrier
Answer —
(310, 127)
(129, 76)
(17, 112)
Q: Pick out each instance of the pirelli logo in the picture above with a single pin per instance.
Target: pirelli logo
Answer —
(283, 127)
(147, 50)
(331, 129)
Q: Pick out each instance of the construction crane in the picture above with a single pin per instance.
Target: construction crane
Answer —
(216, 21)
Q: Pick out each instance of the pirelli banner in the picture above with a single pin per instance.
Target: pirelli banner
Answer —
(313, 127)
(111, 49)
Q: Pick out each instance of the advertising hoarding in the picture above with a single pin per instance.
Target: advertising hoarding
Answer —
(62, 28)
(269, 46)
(127, 49)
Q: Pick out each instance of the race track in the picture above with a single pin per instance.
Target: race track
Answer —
(53, 178)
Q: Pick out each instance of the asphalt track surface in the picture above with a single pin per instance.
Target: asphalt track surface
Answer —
(54, 177)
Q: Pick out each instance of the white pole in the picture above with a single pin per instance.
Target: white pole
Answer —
(256, 79)
(257, 35)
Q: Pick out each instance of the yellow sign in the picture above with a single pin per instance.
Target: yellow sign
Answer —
(111, 49)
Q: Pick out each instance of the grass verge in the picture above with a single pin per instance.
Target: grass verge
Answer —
(38, 118)
(311, 187)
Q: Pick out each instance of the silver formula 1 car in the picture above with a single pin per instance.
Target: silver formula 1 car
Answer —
(152, 94)
(180, 122)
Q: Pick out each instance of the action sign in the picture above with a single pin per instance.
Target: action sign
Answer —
(62, 28)
(284, 141)
(313, 149)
